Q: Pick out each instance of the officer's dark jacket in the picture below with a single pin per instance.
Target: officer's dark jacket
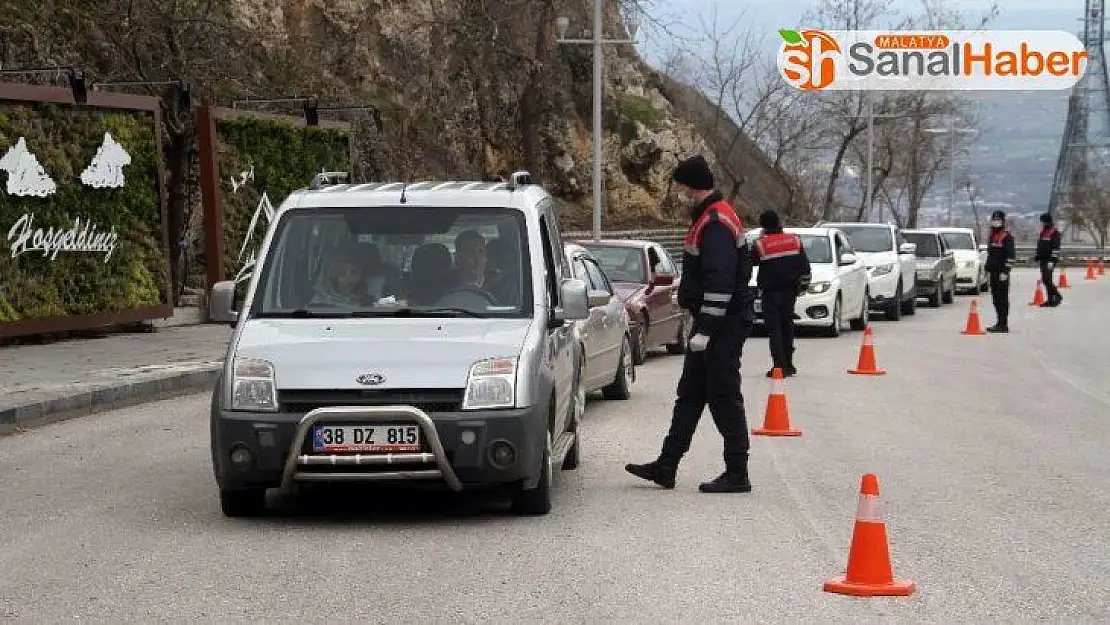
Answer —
(1048, 246)
(782, 261)
(1000, 251)
(716, 266)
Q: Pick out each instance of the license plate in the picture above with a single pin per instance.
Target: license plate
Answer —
(371, 438)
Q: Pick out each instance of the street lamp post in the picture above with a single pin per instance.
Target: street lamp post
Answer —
(597, 40)
(952, 131)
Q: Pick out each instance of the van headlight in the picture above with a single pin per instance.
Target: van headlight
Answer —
(491, 384)
(882, 270)
(817, 288)
(252, 386)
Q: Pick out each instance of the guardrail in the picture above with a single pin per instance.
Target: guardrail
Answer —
(671, 240)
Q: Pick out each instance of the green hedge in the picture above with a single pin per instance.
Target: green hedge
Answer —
(65, 139)
(284, 157)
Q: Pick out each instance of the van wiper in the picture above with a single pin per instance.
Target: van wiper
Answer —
(435, 312)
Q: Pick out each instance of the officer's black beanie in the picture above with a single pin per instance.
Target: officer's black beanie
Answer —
(998, 215)
(1046, 218)
(769, 220)
(694, 172)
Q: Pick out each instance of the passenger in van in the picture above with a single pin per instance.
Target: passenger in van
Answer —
(382, 280)
(343, 282)
(503, 272)
(470, 258)
(429, 275)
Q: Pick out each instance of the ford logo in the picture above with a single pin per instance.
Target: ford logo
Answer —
(370, 379)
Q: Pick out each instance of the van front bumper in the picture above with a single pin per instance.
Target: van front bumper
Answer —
(459, 449)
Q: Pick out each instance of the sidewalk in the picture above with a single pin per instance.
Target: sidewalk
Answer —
(46, 383)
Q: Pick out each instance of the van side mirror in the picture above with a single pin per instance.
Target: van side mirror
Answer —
(221, 305)
(907, 248)
(848, 258)
(575, 302)
(949, 253)
(982, 247)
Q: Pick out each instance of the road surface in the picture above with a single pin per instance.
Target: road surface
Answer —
(991, 452)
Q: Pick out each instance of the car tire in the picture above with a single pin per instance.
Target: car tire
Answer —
(681, 341)
(984, 286)
(621, 386)
(243, 502)
(859, 323)
(935, 298)
(894, 308)
(536, 501)
(909, 307)
(949, 296)
(834, 329)
(639, 352)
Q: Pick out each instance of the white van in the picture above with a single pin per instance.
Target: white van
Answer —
(394, 332)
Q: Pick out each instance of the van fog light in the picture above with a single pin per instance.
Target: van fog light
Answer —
(240, 455)
(502, 454)
(468, 437)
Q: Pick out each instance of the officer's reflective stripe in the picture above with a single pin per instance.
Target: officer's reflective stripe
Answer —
(717, 297)
(774, 255)
(713, 312)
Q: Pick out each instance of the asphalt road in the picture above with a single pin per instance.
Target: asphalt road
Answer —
(991, 452)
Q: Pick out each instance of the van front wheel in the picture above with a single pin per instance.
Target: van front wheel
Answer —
(536, 501)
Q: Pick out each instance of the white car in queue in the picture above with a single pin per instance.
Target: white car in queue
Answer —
(838, 287)
(606, 340)
(971, 258)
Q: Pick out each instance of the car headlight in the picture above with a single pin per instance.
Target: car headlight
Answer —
(491, 384)
(817, 288)
(252, 386)
(882, 270)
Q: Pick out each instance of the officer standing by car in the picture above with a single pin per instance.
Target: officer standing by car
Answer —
(716, 268)
(1000, 260)
(784, 274)
(1048, 254)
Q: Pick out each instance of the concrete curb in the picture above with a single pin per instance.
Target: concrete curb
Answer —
(108, 398)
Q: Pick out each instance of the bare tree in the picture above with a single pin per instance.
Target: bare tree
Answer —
(1091, 205)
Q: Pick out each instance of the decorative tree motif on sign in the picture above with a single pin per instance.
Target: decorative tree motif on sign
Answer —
(264, 210)
(106, 169)
(26, 177)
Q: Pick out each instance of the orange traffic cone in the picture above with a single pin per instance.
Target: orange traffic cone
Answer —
(869, 572)
(866, 363)
(1063, 279)
(973, 326)
(1101, 267)
(1090, 270)
(1038, 297)
(776, 420)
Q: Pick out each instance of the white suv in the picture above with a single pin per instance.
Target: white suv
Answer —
(395, 332)
(891, 265)
(971, 258)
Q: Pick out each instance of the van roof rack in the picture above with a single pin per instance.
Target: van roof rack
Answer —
(327, 179)
(519, 179)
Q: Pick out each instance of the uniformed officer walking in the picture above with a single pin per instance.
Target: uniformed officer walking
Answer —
(1000, 260)
(1048, 254)
(784, 273)
(716, 268)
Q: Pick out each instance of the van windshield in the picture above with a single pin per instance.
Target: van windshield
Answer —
(397, 261)
(868, 238)
(926, 243)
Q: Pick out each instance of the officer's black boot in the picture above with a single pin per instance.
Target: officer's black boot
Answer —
(733, 480)
(661, 471)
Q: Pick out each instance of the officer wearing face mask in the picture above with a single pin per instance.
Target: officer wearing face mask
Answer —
(1000, 260)
(716, 268)
(1048, 254)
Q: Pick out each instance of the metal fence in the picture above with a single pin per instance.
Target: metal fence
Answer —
(671, 240)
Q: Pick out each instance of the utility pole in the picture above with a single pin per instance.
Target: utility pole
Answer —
(598, 41)
(951, 131)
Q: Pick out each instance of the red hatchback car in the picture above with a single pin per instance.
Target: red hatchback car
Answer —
(646, 278)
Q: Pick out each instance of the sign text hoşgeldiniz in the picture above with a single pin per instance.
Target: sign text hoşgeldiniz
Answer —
(954, 60)
(82, 236)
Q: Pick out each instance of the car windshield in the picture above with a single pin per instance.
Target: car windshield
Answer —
(926, 243)
(817, 248)
(868, 239)
(397, 261)
(959, 240)
(621, 264)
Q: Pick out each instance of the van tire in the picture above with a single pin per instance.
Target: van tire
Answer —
(621, 387)
(537, 501)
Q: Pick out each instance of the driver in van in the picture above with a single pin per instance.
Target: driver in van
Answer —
(470, 258)
(343, 282)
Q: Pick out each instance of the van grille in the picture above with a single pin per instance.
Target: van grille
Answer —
(429, 400)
